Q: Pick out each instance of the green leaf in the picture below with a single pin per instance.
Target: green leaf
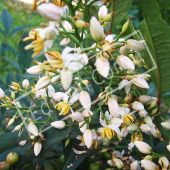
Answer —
(156, 32)
(24, 56)
(2, 32)
(6, 19)
(18, 29)
(120, 6)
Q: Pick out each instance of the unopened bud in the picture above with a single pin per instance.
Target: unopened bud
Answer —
(125, 26)
(85, 82)
(2, 94)
(25, 83)
(80, 23)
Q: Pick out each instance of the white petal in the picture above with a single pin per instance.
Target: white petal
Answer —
(66, 78)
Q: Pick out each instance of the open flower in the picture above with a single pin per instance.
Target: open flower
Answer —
(71, 63)
(111, 125)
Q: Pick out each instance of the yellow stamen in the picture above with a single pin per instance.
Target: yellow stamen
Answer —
(136, 137)
(15, 86)
(107, 132)
(59, 3)
(34, 5)
(128, 119)
(63, 107)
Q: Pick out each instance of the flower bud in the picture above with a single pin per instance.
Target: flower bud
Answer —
(42, 83)
(135, 45)
(148, 120)
(145, 128)
(143, 147)
(85, 82)
(88, 138)
(148, 165)
(113, 107)
(35, 70)
(145, 99)
(125, 62)
(102, 12)
(85, 100)
(168, 147)
(148, 157)
(78, 116)
(18, 127)
(102, 66)
(123, 50)
(80, 23)
(50, 11)
(163, 161)
(58, 96)
(118, 163)
(143, 113)
(140, 82)
(137, 106)
(125, 26)
(33, 129)
(25, 83)
(37, 148)
(22, 143)
(11, 121)
(96, 29)
(2, 94)
(132, 127)
(134, 165)
(58, 124)
(55, 78)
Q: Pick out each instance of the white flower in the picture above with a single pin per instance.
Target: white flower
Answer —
(22, 143)
(86, 113)
(50, 11)
(124, 132)
(96, 30)
(148, 120)
(35, 70)
(113, 123)
(102, 12)
(118, 163)
(168, 147)
(85, 100)
(127, 85)
(163, 161)
(141, 82)
(137, 106)
(123, 50)
(148, 165)
(125, 62)
(68, 28)
(33, 129)
(143, 113)
(25, 83)
(142, 147)
(88, 138)
(145, 99)
(102, 66)
(166, 125)
(135, 45)
(37, 148)
(132, 127)
(58, 96)
(77, 116)
(113, 107)
(153, 130)
(134, 165)
(145, 128)
(82, 126)
(42, 82)
(43, 92)
(71, 63)
(58, 124)
(2, 94)
(11, 121)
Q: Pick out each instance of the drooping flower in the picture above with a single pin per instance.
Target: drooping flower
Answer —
(143, 147)
(58, 124)
(148, 165)
(37, 148)
(135, 45)
(85, 100)
(88, 137)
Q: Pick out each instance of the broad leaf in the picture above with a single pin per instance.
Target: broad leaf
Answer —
(18, 29)
(156, 32)
(118, 7)
(24, 56)
(6, 19)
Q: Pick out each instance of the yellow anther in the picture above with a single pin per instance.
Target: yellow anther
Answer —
(128, 119)
(63, 107)
(107, 132)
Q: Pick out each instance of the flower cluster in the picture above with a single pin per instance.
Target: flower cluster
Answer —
(90, 54)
